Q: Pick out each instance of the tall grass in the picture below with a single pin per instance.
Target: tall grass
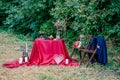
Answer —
(9, 36)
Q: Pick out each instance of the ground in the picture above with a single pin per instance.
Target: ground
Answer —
(12, 50)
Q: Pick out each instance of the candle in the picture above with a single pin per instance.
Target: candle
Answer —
(66, 61)
(20, 60)
(26, 59)
(26, 48)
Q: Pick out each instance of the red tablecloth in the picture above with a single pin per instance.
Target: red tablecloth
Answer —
(46, 52)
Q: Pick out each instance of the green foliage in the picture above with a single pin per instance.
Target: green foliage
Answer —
(27, 16)
(93, 17)
(48, 28)
(3, 7)
(115, 57)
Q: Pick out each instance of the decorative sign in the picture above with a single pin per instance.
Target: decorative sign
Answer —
(58, 58)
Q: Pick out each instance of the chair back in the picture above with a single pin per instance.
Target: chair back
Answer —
(84, 40)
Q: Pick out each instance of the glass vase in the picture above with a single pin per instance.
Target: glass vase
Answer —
(58, 34)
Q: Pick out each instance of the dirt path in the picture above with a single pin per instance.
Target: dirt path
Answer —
(11, 51)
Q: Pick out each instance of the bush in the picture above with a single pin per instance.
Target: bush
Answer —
(28, 16)
(3, 7)
(96, 17)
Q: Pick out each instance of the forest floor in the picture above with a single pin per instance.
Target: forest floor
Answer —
(10, 50)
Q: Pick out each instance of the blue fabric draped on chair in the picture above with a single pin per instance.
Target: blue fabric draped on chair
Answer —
(101, 53)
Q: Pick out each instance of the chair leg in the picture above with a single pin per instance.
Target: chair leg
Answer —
(72, 52)
(82, 58)
(90, 59)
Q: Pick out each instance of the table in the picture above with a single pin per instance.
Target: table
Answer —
(46, 52)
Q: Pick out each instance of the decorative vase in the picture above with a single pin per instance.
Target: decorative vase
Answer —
(58, 34)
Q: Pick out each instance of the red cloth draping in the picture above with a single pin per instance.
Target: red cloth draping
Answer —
(46, 52)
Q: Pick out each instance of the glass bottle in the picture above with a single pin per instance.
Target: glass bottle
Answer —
(58, 34)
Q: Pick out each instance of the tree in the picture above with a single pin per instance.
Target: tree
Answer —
(28, 16)
(93, 17)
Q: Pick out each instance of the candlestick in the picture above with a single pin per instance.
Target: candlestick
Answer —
(26, 48)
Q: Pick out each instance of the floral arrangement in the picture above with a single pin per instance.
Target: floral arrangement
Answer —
(58, 25)
(77, 44)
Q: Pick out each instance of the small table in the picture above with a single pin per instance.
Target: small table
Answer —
(46, 52)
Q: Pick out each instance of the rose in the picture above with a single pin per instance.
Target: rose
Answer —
(51, 37)
(58, 25)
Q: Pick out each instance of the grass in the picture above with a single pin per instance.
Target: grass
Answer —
(10, 50)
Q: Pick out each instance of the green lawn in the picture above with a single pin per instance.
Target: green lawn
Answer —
(10, 49)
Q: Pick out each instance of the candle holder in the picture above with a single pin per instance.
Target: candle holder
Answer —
(41, 34)
(25, 56)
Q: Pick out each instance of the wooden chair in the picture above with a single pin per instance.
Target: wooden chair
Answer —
(86, 48)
